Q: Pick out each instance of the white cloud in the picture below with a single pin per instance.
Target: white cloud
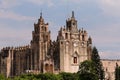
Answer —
(106, 39)
(109, 55)
(106, 34)
(41, 2)
(5, 4)
(7, 13)
(7, 31)
(11, 37)
(110, 7)
(11, 15)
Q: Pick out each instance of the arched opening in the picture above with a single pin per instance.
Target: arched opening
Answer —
(46, 67)
(66, 35)
(83, 37)
(74, 60)
(51, 68)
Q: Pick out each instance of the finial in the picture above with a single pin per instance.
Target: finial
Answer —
(82, 28)
(73, 14)
(41, 14)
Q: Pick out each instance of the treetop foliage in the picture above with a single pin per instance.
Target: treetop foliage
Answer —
(97, 63)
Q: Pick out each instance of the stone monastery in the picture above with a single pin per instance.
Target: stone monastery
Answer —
(44, 55)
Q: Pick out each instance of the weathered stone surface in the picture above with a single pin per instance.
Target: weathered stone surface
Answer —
(109, 68)
(44, 55)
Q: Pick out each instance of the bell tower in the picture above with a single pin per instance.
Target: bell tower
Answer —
(39, 44)
(72, 24)
(74, 46)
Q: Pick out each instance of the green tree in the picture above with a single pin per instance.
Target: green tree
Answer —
(68, 76)
(48, 76)
(2, 77)
(87, 71)
(97, 63)
(26, 77)
(117, 72)
(88, 76)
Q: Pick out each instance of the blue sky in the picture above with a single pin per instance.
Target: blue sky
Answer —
(101, 18)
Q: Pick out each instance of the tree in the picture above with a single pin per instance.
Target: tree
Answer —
(26, 77)
(97, 63)
(117, 72)
(48, 76)
(87, 71)
(88, 76)
(2, 77)
(68, 76)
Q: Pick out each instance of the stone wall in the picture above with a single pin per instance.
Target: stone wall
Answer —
(109, 68)
(14, 61)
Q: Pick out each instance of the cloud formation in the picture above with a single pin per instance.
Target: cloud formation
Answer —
(11, 37)
(14, 16)
(42, 2)
(5, 4)
(109, 55)
(110, 7)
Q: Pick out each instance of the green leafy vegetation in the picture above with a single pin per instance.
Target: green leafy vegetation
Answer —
(87, 71)
(117, 72)
(45, 76)
(97, 63)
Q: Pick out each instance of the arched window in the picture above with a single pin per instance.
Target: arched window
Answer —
(83, 37)
(51, 68)
(74, 60)
(46, 67)
(66, 35)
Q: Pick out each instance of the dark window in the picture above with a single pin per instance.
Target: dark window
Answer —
(75, 60)
(51, 68)
(66, 35)
(42, 28)
(46, 67)
(73, 23)
(83, 37)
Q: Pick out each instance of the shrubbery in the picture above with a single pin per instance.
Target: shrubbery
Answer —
(45, 76)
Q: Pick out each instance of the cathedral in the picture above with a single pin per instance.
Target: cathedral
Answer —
(43, 55)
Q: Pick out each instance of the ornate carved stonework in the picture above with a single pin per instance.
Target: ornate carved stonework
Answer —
(44, 55)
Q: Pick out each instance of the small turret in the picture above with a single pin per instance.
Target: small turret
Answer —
(90, 40)
(73, 14)
(71, 24)
(41, 20)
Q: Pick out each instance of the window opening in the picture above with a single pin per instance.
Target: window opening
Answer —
(75, 60)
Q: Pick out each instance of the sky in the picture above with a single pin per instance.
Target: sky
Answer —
(101, 19)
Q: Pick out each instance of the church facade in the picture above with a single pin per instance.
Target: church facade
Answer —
(43, 55)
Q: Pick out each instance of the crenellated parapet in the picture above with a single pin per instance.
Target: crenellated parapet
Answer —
(19, 48)
(5, 51)
(7, 48)
(22, 48)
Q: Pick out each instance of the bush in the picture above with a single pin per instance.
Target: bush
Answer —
(2, 77)
(69, 76)
(48, 76)
(88, 76)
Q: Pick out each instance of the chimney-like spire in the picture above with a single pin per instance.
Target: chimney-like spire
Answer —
(73, 14)
(41, 18)
(41, 15)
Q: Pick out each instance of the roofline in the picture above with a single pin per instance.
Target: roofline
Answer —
(110, 59)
